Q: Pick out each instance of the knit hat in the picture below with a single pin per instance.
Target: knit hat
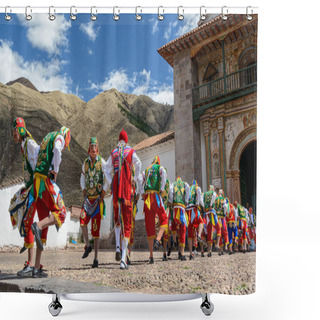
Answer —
(66, 135)
(123, 136)
(93, 141)
(18, 123)
(156, 160)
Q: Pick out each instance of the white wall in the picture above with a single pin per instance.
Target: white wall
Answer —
(8, 236)
(166, 153)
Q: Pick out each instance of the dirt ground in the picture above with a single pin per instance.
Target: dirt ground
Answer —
(227, 274)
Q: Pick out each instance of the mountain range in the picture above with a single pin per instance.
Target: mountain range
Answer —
(104, 116)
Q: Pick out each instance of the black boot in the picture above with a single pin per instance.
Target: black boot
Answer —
(87, 250)
(23, 249)
(95, 263)
(157, 245)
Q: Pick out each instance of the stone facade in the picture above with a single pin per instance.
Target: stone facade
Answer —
(186, 131)
(215, 101)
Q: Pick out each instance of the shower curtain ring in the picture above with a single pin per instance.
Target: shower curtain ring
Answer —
(7, 16)
(51, 15)
(180, 15)
(73, 15)
(138, 16)
(224, 12)
(94, 17)
(160, 16)
(28, 15)
(249, 15)
(116, 16)
(203, 14)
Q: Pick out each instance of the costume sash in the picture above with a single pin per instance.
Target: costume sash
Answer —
(181, 217)
(19, 207)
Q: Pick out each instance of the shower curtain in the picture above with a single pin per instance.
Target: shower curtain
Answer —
(128, 152)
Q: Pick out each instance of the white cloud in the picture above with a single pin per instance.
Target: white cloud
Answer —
(89, 30)
(168, 30)
(47, 35)
(139, 83)
(190, 22)
(77, 92)
(44, 75)
(155, 27)
(90, 52)
(179, 28)
(117, 79)
(164, 94)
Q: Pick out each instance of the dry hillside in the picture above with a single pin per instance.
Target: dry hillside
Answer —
(104, 116)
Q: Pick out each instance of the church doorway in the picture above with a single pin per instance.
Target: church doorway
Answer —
(248, 174)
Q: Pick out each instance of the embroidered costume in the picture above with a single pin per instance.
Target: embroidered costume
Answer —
(93, 181)
(242, 224)
(169, 210)
(22, 206)
(45, 190)
(152, 183)
(94, 184)
(231, 220)
(252, 229)
(122, 161)
(211, 218)
(194, 216)
(179, 196)
(221, 208)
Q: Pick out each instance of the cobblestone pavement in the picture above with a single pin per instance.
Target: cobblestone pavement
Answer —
(228, 274)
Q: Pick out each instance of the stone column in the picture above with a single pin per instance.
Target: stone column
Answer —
(236, 186)
(221, 151)
(187, 137)
(206, 131)
(229, 186)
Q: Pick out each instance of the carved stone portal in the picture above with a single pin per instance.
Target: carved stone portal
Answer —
(247, 136)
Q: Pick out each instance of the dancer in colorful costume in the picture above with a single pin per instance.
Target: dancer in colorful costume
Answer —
(195, 226)
(221, 207)
(252, 228)
(46, 192)
(179, 195)
(122, 162)
(134, 213)
(94, 186)
(231, 219)
(22, 207)
(242, 225)
(211, 219)
(167, 235)
(152, 185)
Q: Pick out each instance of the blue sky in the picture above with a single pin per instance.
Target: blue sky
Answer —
(85, 58)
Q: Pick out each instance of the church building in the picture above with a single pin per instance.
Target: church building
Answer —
(215, 105)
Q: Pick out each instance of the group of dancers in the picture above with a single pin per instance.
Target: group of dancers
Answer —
(173, 211)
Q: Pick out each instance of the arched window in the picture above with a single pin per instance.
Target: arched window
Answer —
(248, 65)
